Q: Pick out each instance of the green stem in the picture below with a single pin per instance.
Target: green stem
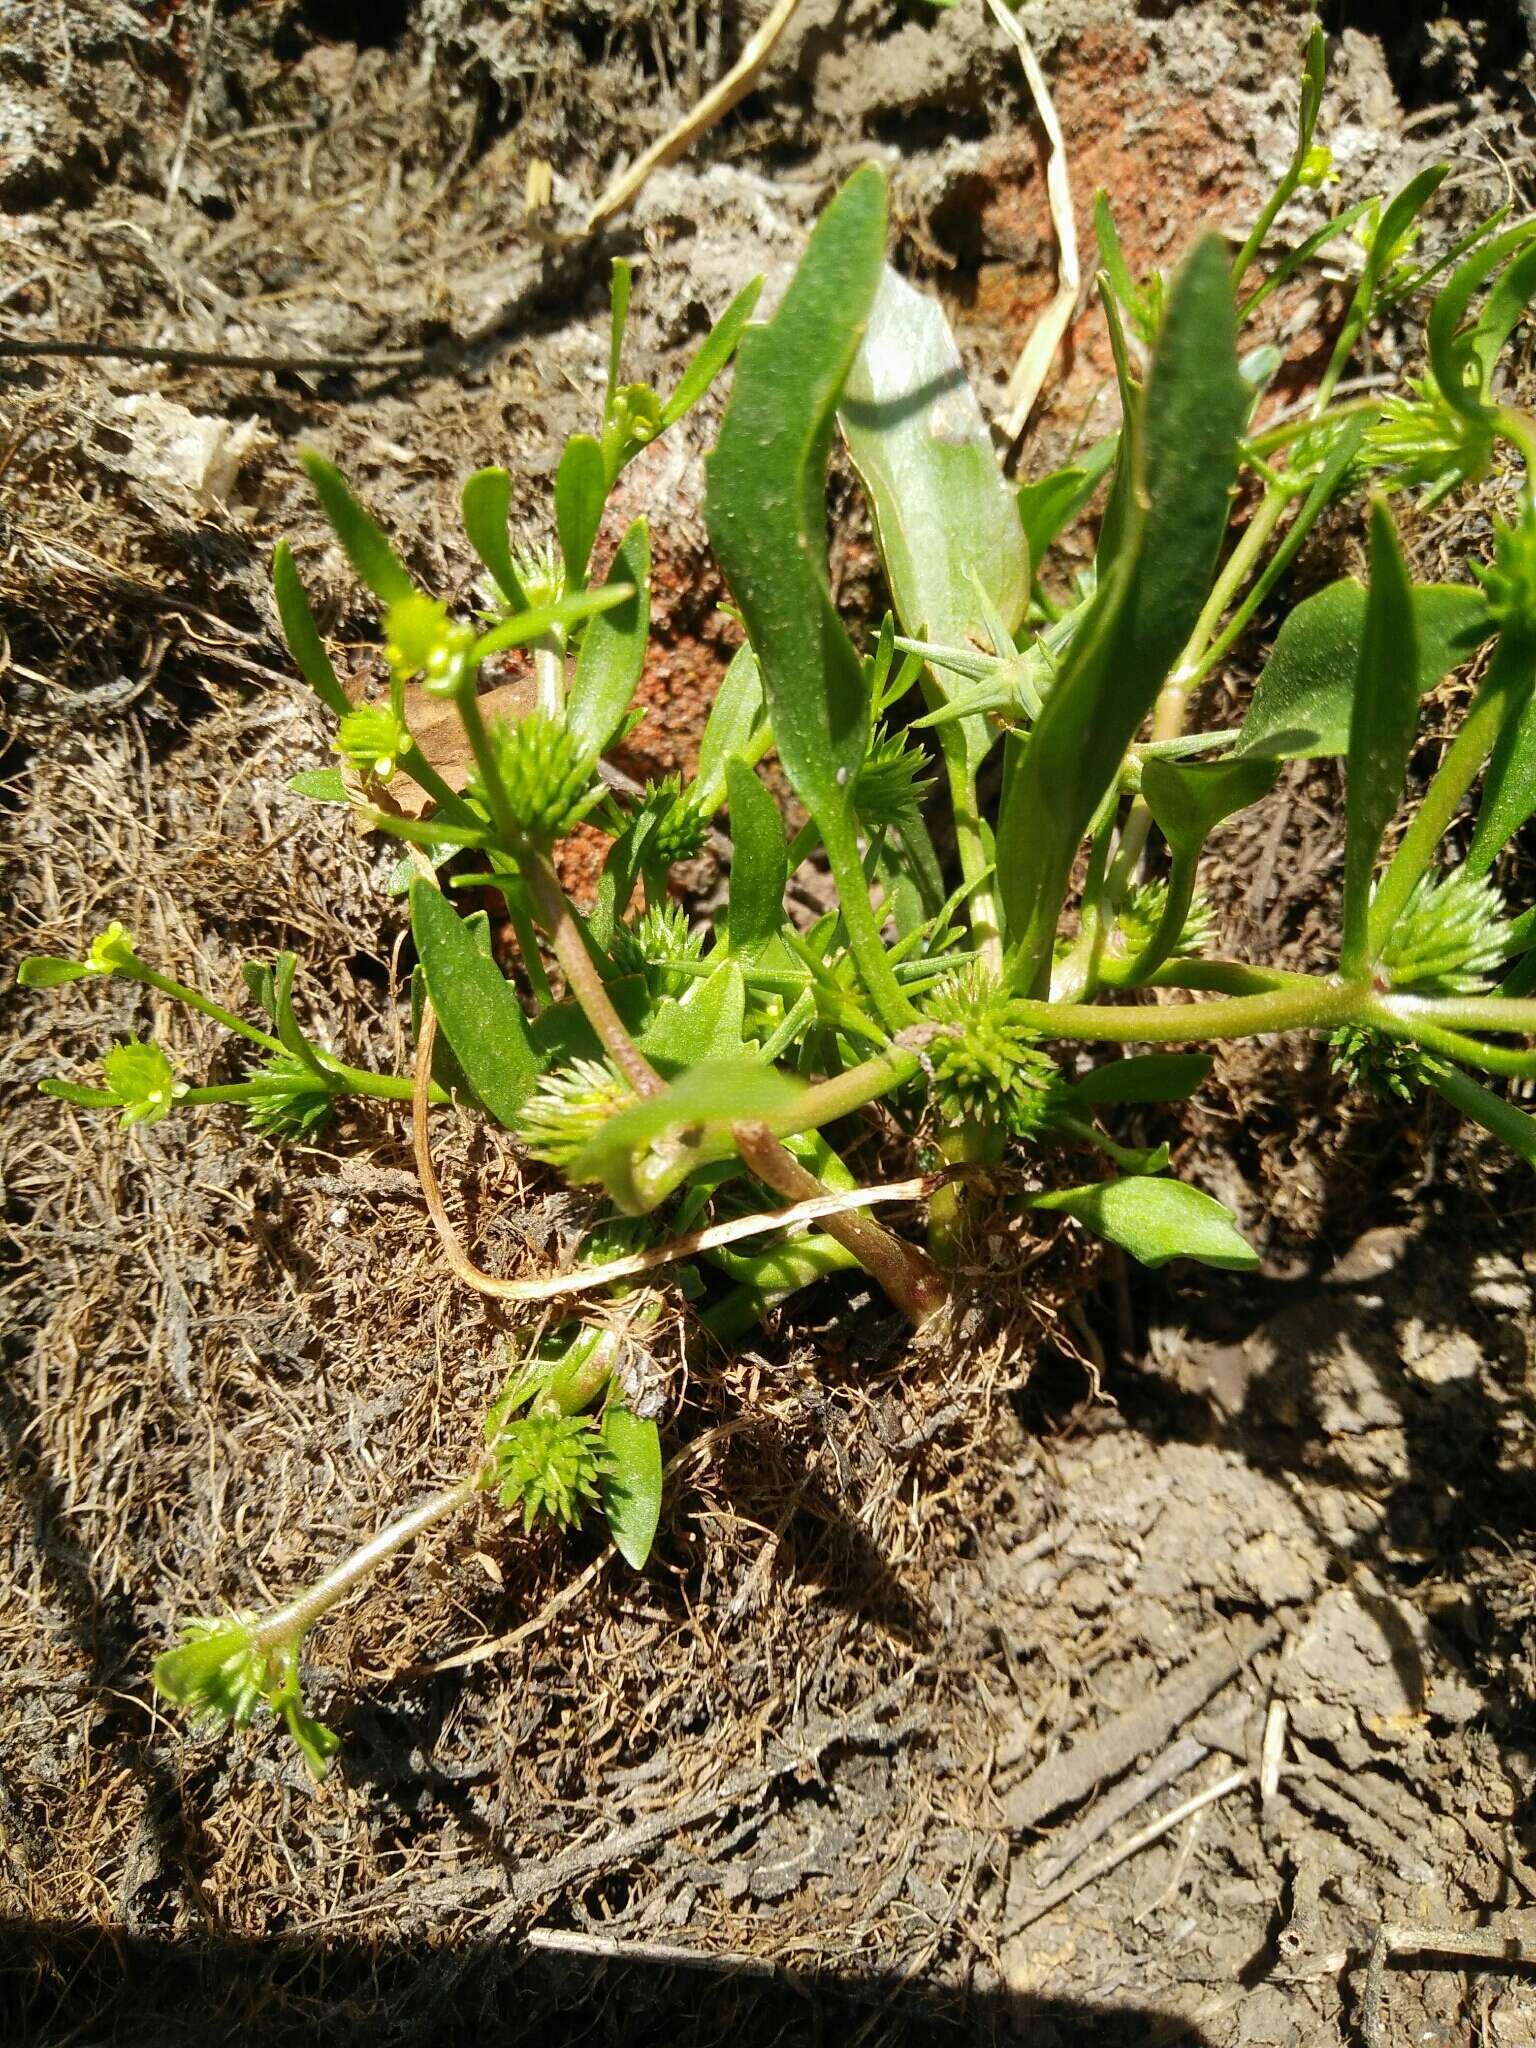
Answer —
(582, 976)
(195, 1001)
(864, 938)
(287, 1623)
(981, 898)
(1173, 699)
(1514, 1126)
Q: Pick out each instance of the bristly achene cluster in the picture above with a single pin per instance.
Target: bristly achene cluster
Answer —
(702, 1072)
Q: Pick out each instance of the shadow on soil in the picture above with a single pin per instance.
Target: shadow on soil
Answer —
(67, 1984)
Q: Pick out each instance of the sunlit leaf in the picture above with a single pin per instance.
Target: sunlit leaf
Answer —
(630, 1482)
(1156, 1220)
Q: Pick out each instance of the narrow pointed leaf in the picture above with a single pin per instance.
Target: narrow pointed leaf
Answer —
(320, 785)
(1509, 789)
(612, 657)
(581, 490)
(302, 634)
(1194, 409)
(1052, 502)
(718, 346)
(1381, 728)
(618, 316)
(733, 720)
(765, 503)
(715, 1094)
(486, 504)
(631, 1482)
(477, 1007)
(1144, 1077)
(759, 867)
(361, 537)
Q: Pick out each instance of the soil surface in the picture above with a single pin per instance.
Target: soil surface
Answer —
(1110, 1677)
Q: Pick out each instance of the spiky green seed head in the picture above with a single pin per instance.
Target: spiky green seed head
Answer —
(541, 573)
(1423, 442)
(293, 1102)
(985, 1063)
(545, 776)
(1451, 938)
(140, 1078)
(1381, 1066)
(682, 823)
(223, 1675)
(659, 939)
(1509, 580)
(371, 739)
(1142, 914)
(894, 781)
(421, 639)
(569, 1107)
(550, 1465)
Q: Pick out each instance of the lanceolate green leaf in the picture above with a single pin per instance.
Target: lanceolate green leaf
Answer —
(477, 1008)
(759, 867)
(581, 489)
(1053, 502)
(716, 351)
(612, 657)
(1381, 728)
(1509, 789)
(1144, 1077)
(1302, 702)
(363, 539)
(486, 503)
(765, 503)
(1463, 358)
(302, 634)
(765, 507)
(1194, 409)
(1156, 1220)
(733, 720)
(631, 1482)
(944, 515)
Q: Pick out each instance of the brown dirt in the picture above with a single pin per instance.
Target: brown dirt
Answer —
(914, 1616)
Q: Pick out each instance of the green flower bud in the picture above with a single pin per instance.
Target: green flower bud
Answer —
(657, 940)
(372, 739)
(1317, 168)
(422, 640)
(112, 951)
(549, 1465)
(140, 1078)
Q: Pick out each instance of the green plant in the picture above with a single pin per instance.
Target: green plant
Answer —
(683, 1073)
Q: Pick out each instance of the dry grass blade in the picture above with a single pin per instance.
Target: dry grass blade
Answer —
(552, 1286)
(716, 103)
(1028, 379)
